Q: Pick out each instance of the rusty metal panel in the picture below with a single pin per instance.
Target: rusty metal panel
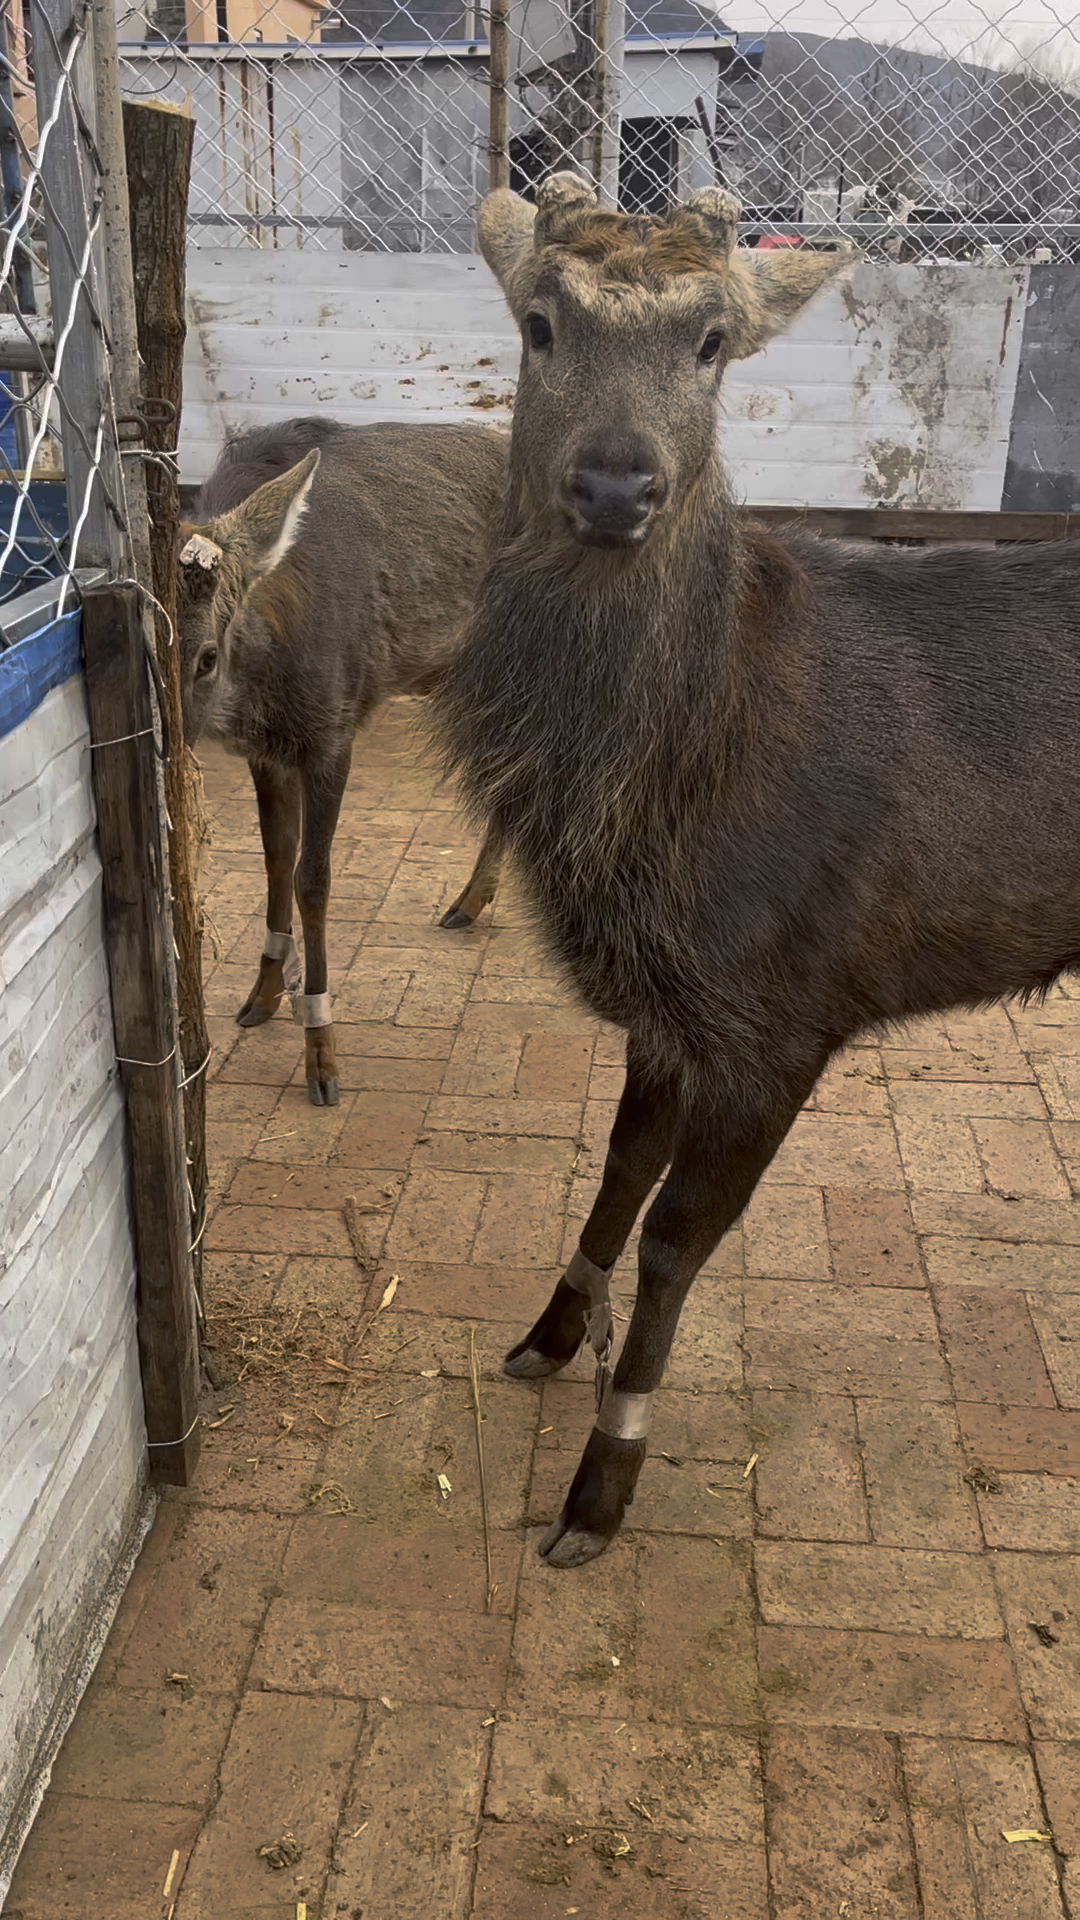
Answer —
(893, 390)
(1043, 470)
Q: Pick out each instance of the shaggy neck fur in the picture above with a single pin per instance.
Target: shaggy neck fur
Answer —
(606, 713)
(603, 700)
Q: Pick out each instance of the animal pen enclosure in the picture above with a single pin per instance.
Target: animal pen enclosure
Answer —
(339, 158)
(341, 151)
(97, 1309)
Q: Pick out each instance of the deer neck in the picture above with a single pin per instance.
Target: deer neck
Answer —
(590, 698)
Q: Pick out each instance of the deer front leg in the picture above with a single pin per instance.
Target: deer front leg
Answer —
(470, 904)
(713, 1173)
(637, 1154)
(323, 789)
(278, 795)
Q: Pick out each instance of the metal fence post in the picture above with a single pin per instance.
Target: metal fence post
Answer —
(116, 253)
(71, 191)
(610, 66)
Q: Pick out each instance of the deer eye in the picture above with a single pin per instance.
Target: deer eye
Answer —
(539, 332)
(206, 662)
(710, 346)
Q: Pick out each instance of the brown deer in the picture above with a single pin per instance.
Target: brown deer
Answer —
(765, 794)
(332, 567)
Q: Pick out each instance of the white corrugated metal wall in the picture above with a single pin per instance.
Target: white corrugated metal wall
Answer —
(72, 1439)
(895, 390)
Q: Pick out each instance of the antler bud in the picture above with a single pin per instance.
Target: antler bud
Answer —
(560, 194)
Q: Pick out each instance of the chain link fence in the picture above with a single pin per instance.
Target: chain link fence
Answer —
(944, 129)
(375, 126)
(76, 435)
(34, 542)
(61, 481)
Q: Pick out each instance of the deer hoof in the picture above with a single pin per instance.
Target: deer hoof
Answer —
(528, 1363)
(600, 1492)
(570, 1547)
(454, 919)
(552, 1343)
(252, 1015)
(266, 995)
(320, 1065)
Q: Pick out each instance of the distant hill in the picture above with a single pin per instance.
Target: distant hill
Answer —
(922, 126)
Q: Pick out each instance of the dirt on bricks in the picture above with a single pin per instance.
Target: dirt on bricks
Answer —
(835, 1660)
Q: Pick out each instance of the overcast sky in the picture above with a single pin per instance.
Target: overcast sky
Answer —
(953, 26)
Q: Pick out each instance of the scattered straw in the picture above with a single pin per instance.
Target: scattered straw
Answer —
(351, 1213)
(281, 1853)
(475, 1375)
(373, 1313)
(331, 1497)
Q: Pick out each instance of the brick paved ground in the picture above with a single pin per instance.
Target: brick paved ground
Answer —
(819, 1689)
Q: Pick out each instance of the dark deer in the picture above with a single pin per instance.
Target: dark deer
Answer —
(766, 794)
(333, 566)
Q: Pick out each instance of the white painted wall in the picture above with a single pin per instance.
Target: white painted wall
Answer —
(897, 389)
(72, 1440)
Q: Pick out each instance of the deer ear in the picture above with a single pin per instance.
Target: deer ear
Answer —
(261, 530)
(505, 233)
(766, 290)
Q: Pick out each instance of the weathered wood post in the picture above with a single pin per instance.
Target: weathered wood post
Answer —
(499, 109)
(158, 141)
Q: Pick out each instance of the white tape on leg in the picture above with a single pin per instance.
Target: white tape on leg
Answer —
(282, 946)
(594, 1283)
(312, 1009)
(278, 946)
(624, 1416)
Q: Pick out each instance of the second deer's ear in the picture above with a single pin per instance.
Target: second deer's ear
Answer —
(261, 530)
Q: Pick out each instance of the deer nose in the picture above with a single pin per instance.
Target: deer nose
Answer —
(613, 502)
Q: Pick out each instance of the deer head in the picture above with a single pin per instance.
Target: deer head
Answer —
(627, 325)
(220, 564)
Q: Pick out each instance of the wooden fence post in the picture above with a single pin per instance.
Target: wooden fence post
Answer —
(76, 76)
(138, 932)
(158, 141)
(499, 106)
